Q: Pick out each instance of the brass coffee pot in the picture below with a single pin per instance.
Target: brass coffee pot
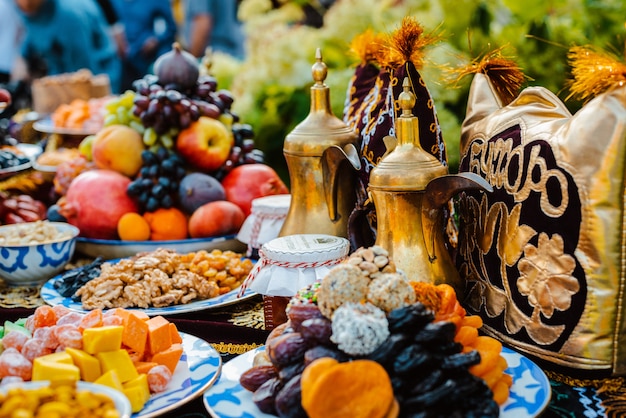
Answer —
(409, 188)
(322, 160)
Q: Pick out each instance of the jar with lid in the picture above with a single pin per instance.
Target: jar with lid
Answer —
(267, 215)
(290, 263)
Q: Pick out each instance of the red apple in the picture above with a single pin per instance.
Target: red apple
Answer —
(205, 144)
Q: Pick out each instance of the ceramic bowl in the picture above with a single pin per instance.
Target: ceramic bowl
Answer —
(122, 404)
(29, 264)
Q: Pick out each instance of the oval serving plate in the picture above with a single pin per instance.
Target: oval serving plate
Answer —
(47, 127)
(111, 249)
(529, 395)
(198, 369)
(52, 297)
(119, 400)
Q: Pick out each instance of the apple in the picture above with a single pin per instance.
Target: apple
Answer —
(205, 144)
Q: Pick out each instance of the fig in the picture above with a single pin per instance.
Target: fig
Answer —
(177, 67)
(255, 376)
(196, 189)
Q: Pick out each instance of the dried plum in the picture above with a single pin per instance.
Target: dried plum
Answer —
(410, 318)
(72, 280)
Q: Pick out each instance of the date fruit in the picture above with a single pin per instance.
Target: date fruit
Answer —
(254, 377)
(286, 348)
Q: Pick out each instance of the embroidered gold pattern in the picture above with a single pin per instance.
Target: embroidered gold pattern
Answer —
(230, 348)
(20, 296)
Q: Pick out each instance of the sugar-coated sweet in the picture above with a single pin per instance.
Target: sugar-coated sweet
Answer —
(359, 328)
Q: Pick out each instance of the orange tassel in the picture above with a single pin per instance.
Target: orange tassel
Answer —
(593, 72)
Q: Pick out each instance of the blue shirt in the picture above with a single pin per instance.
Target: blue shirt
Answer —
(143, 19)
(69, 35)
(226, 35)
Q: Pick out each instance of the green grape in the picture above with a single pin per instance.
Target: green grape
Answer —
(137, 125)
(166, 141)
(110, 119)
(150, 137)
(122, 115)
(126, 99)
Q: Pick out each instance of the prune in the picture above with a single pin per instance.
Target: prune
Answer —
(461, 360)
(255, 376)
(286, 348)
(389, 349)
(436, 332)
(265, 396)
(411, 359)
(316, 330)
(289, 399)
(409, 318)
(433, 397)
(319, 351)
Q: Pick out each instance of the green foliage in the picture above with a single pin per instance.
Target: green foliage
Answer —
(272, 85)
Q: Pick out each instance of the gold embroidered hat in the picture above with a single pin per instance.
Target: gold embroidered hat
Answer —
(371, 108)
(544, 254)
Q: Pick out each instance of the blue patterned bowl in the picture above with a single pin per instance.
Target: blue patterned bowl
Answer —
(35, 263)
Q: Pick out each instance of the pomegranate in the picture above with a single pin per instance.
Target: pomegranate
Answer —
(247, 182)
(95, 201)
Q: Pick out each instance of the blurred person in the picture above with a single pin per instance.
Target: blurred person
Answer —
(11, 35)
(116, 27)
(150, 31)
(214, 24)
(64, 36)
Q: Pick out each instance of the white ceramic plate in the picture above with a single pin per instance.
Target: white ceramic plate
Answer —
(110, 249)
(52, 297)
(529, 396)
(198, 368)
(46, 126)
(121, 402)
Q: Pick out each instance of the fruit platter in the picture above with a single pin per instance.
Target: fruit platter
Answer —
(154, 366)
(164, 164)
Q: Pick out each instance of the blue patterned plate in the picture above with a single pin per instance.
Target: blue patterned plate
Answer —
(198, 368)
(52, 297)
(529, 396)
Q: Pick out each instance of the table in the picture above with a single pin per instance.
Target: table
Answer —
(235, 329)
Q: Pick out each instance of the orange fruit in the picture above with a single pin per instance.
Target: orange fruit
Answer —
(133, 227)
(167, 224)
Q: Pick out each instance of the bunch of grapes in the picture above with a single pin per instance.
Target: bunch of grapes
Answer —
(243, 152)
(166, 110)
(159, 177)
(119, 111)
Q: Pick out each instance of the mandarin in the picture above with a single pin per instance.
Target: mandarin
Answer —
(167, 224)
(133, 227)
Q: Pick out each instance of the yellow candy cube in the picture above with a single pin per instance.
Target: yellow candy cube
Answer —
(120, 361)
(98, 339)
(89, 365)
(137, 391)
(110, 379)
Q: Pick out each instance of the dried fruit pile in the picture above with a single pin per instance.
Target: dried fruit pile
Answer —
(419, 341)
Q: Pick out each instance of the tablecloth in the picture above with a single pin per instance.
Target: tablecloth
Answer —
(237, 328)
